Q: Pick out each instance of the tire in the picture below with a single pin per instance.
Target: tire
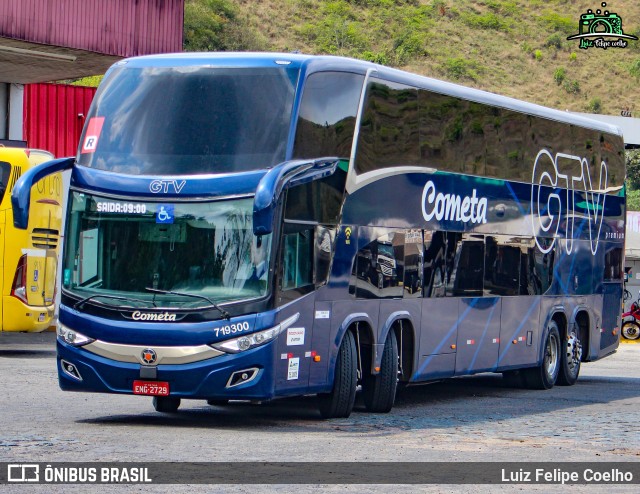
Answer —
(339, 402)
(545, 375)
(166, 404)
(631, 330)
(570, 358)
(379, 391)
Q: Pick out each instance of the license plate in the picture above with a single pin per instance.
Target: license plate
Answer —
(151, 388)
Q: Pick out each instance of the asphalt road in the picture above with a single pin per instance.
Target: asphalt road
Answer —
(478, 418)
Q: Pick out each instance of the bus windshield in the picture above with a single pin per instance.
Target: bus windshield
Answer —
(125, 252)
(189, 120)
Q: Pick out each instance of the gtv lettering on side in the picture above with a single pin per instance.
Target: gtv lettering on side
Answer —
(453, 207)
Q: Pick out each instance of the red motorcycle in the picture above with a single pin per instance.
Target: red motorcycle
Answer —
(631, 320)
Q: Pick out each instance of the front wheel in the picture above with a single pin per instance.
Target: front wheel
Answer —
(545, 375)
(339, 402)
(631, 330)
(570, 359)
(379, 391)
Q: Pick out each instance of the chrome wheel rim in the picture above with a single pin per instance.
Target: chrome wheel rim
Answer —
(574, 352)
(551, 356)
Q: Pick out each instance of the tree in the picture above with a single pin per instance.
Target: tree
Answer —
(633, 169)
(204, 23)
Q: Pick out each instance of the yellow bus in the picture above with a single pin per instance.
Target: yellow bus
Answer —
(29, 258)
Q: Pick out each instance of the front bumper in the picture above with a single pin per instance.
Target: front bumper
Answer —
(203, 379)
(18, 316)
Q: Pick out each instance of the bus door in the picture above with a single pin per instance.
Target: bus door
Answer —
(5, 176)
(612, 294)
(295, 290)
(45, 221)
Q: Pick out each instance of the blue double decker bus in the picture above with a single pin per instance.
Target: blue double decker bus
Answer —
(255, 226)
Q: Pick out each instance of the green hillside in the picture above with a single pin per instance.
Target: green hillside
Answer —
(512, 47)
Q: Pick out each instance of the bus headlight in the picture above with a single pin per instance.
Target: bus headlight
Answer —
(242, 343)
(72, 337)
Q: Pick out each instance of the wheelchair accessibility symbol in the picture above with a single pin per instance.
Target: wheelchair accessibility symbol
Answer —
(164, 213)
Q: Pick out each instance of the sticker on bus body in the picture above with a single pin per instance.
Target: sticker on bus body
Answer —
(294, 367)
(295, 336)
(94, 128)
(164, 213)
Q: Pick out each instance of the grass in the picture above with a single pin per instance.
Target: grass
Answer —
(511, 47)
(490, 44)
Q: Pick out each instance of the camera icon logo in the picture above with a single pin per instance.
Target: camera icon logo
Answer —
(23, 472)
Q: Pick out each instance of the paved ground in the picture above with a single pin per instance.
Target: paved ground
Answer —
(471, 419)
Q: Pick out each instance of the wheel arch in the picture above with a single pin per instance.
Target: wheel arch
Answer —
(361, 325)
(402, 324)
(581, 321)
(558, 316)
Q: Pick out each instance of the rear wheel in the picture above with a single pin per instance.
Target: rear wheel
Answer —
(339, 402)
(379, 391)
(631, 330)
(545, 375)
(166, 404)
(570, 359)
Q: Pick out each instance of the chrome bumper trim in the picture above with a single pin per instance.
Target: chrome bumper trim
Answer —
(167, 355)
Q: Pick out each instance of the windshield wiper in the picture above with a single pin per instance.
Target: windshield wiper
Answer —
(80, 303)
(224, 313)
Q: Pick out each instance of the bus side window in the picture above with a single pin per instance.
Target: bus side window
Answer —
(413, 256)
(296, 260)
(435, 264)
(544, 264)
(613, 264)
(380, 267)
(324, 238)
(5, 173)
(501, 265)
(467, 278)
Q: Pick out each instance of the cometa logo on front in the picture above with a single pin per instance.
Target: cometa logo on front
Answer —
(150, 316)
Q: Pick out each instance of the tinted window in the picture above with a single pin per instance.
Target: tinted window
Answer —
(530, 282)
(467, 278)
(379, 267)
(613, 264)
(413, 255)
(435, 264)
(324, 240)
(318, 201)
(502, 265)
(389, 130)
(186, 120)
(296, 260)
(5, 173)
(544, 265)
(327, 115)
(452, 134)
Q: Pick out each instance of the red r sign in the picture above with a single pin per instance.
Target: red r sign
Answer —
(92, 134)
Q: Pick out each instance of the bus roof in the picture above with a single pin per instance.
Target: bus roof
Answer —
(315, 63)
